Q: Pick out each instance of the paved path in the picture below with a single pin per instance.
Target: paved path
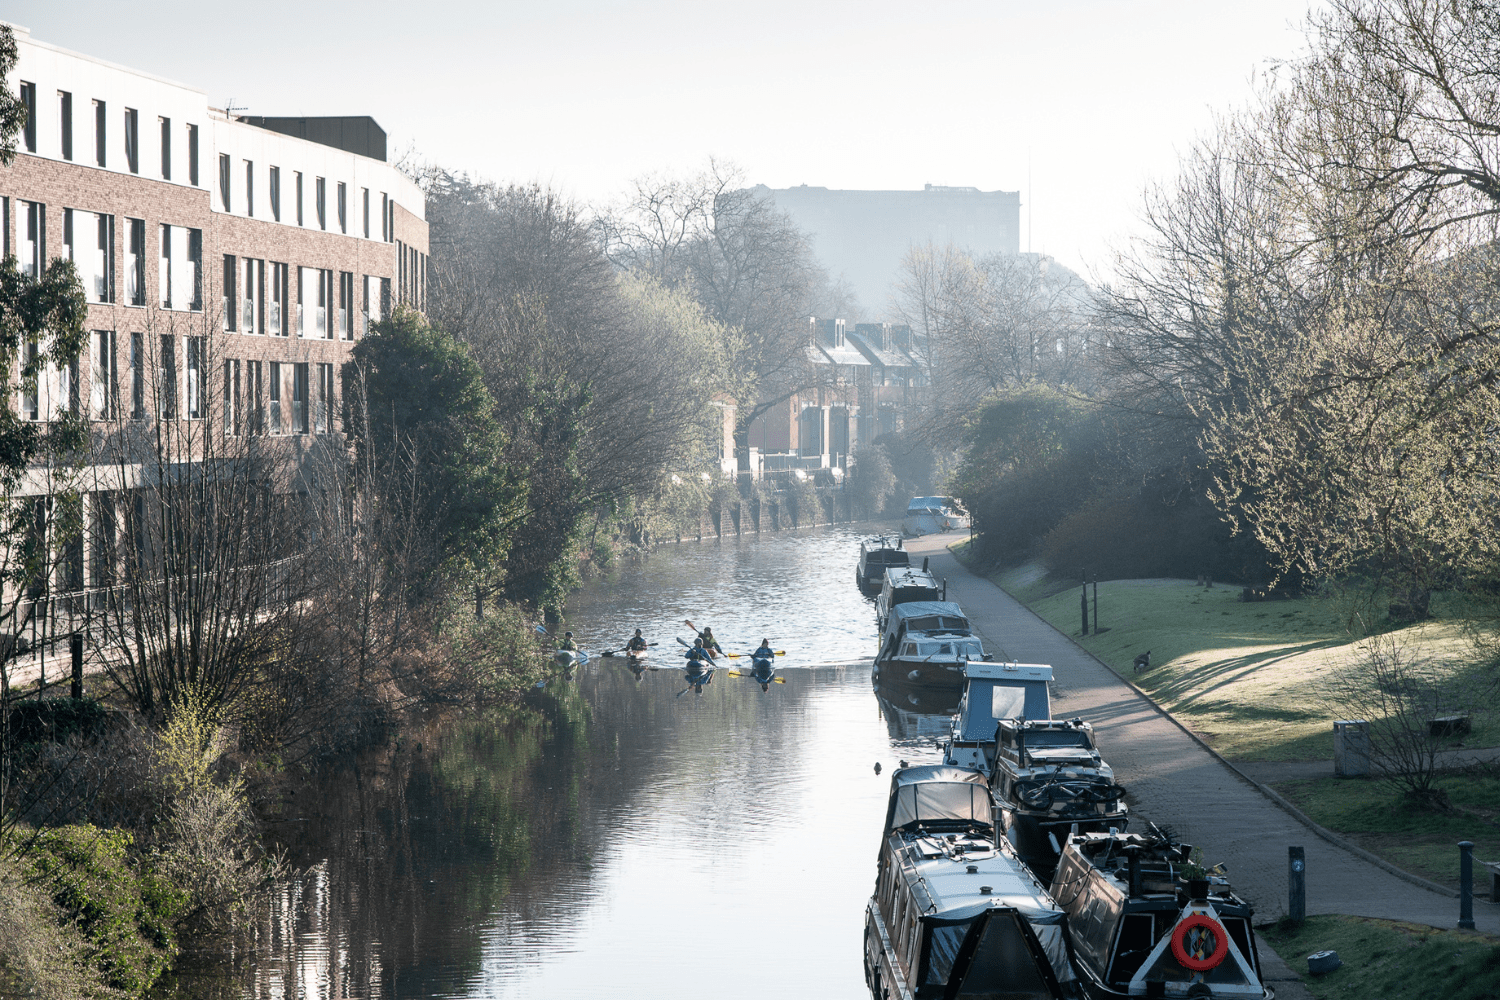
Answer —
(1175, 781)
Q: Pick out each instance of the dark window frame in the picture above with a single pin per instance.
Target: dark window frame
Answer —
(28, 101)
(65, 123)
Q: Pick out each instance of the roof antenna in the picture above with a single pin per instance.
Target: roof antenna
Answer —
(230, 107)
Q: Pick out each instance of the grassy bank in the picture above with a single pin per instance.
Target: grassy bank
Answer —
(1390, 959)
(1248, 677)
(1373, 814)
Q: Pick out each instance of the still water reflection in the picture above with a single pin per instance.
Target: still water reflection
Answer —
(610, 838)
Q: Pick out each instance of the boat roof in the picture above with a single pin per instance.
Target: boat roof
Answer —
(910, 576)
(927, 609)
(1008, 671)
(929, 503)
(877, 544)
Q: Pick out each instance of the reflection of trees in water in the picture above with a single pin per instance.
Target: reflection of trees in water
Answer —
(422, 861)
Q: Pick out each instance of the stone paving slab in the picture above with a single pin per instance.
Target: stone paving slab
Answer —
(1174, 781)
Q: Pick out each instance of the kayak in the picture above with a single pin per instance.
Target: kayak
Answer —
(569, 658)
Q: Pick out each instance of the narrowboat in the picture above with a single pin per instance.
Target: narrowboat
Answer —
(927, 643)
(993, 692)
(904, 584)
(876, 555)
(1146, 922)
(1049, 780)
(955, 913)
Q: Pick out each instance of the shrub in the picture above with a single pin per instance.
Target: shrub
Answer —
(42, 953)
(212, 854)
(56, 719)
(125, 912)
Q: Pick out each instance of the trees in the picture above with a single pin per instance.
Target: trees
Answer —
(746, 263)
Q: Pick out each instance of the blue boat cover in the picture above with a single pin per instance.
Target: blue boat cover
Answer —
(926, 609)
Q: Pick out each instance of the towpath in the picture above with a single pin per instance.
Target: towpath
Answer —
(1175, 781)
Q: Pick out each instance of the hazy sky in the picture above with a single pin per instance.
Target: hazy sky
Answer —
(585, 94)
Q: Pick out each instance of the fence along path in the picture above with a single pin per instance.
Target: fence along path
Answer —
(1174, 781)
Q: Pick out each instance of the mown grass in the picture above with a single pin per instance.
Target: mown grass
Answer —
(1373, 814)
(1389, 959)
(1250, 678)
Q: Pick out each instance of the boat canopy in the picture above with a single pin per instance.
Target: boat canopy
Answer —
(1004, 693)
(937, 793)
(928, 616)
(934, 504)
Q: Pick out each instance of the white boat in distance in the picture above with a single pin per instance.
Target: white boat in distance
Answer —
(929, 515)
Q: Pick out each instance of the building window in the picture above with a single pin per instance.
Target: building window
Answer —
(28, 131)
(231, 398)
(166, 377)
(385, 297)
(135, 262)
(249, 188)
(230, 303)
(137, 377)
(299, 398)
(33, 224)
(364, 307)
(274, 403)
(255, 398)
(179, 281)
(278, 300)
(193, 155)
(302, 301)
(104, 400)
(65, 122)
(195, 408)
(320, 195)
(325, 301)
(166, 148)
(365, 196)
(385, 208)
(252, 315)
(224, 181)
(132, 140)
(31, 396)
(101, 134)
(274, 189)
(343, 210)
(298, 174)
(88, 238)
(324, 417)
(346, 305)
(105, 527)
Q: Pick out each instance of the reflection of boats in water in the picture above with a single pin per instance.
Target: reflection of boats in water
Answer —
(995, 691)
(915, 714)
(1048, 780)
(928, 515)
(955, 913)
(876, 555)
(1141, 925)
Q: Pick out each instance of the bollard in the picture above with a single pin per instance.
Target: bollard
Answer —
(1297, 884)
(75, 651)
(1466, 884)
(1083, 605)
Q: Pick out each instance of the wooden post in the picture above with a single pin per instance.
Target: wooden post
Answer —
(1297, 879)
(1096, 605)
(75, 650)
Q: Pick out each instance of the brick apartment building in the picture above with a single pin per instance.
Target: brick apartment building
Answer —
(229, 262)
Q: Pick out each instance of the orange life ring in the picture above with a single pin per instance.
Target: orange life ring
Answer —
(1190, 955)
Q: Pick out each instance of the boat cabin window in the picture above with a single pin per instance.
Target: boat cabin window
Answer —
(933, 802)
(937, 623)
(1038, 738)
(970, 648)
(1007, 702)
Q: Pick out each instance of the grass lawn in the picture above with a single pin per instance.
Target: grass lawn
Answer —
(1390, 960)
(1372, 814)
(1247, 677)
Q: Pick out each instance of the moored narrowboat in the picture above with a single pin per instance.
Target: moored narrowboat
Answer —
(992, 692)
(904, 584)
(876, 555)
(927, 643)
(1145, 922)
(955, 913)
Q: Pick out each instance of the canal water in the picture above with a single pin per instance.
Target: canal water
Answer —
(616, 837)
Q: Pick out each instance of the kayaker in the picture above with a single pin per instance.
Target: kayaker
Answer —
(706, 638)
(637, 643)
(567, 642)
(697, 655)
(765, 652)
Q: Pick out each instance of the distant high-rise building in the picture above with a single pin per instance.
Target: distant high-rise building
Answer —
(862, 236)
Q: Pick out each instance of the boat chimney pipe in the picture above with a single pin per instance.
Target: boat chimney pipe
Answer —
(925, 560)
(1133, 857)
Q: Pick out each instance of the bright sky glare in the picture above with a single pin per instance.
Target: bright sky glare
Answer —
(1092, 98)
